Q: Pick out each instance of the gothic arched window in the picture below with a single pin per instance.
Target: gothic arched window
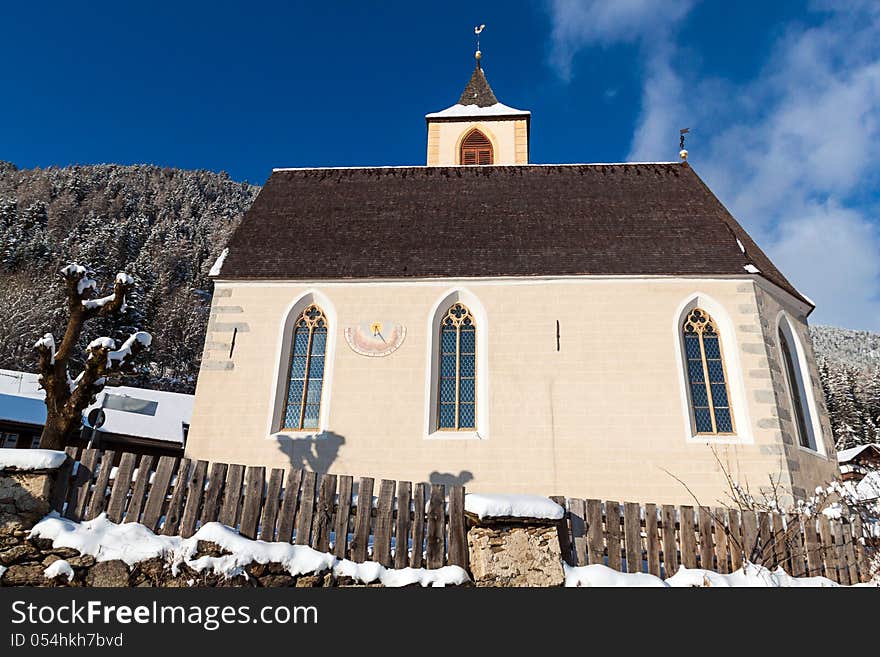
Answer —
(458, 370)
(796, 390)
(302, 407)
(707, 380)
(476, 149)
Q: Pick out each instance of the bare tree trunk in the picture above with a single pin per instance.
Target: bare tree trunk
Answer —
(54, 435)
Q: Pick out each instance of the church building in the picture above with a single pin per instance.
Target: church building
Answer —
(592, 330)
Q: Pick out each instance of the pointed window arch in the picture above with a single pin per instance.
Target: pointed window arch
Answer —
(457, 384)
(796, 388)
(707, 378)
(302, 406)
(477, 149)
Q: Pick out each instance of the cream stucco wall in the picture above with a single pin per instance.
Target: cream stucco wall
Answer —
(604, 416)
(509, 139)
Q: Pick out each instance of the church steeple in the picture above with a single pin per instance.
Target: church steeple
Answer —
(478, 129)
(478, 92)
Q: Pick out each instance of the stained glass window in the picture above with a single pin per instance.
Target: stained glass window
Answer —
(457, 394)
(302, 407)
(707, 381)
(796, 392)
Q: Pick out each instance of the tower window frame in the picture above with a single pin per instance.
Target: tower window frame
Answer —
(476, 149)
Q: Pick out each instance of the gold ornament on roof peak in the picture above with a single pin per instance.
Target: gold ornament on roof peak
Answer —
(478, 55)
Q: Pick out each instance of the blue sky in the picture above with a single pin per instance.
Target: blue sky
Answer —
(783, 99)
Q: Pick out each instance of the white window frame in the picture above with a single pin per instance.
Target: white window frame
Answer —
(805, 384)
(732, 367)
(282, 363)
(432, 367)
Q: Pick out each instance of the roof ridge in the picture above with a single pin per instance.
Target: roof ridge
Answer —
(480, 168)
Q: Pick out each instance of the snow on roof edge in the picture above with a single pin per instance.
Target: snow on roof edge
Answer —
(845, 455)
(465, 111)
(431, 166)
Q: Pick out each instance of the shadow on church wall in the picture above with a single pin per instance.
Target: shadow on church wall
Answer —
(316, 453)
(449, 479)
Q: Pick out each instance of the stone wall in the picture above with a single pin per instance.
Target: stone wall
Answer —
(24, 499)
(515, 553)
(25, 561)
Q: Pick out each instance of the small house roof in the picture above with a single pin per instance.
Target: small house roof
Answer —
(847, 455)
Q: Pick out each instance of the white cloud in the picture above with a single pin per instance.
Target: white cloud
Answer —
(577, 23)
(835, 254)
(789, 152)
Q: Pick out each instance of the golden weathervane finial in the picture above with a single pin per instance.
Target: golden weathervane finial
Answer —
(477, 30)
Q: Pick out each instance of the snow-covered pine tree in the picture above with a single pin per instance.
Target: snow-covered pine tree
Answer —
(66, 397)
(871, 402)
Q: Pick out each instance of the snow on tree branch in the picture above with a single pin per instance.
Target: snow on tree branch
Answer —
(45, 346)
(81, 288)
(116, 358)
(67, 397)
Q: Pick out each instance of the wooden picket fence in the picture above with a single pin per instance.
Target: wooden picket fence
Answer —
(632, 537)
(420, 525)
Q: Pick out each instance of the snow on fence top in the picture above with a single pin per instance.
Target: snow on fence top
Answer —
(512, 506)
(31, 459)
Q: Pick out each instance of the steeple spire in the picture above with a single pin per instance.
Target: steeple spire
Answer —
(478, 129)
(478, 92)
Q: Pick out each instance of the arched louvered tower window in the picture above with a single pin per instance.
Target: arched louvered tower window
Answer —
(477, 149)
(458, 371)
(302, 408)
(707, 379)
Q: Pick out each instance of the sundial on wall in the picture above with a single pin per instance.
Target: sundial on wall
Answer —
(378, 338)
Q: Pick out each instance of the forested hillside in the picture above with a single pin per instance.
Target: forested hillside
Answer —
(163, 226)
(849, 365)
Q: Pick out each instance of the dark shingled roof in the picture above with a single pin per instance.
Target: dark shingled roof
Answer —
(526, 220)
(478, 92)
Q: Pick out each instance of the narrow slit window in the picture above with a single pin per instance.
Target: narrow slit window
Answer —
(457, 384)
(707, 378)
(302, 408)
(477, 149)
(796, 392)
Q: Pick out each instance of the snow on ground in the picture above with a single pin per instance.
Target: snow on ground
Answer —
(30, 459)
(597, 575)
(512, 506)
(750, 575)
(58, 568)
(132, 542)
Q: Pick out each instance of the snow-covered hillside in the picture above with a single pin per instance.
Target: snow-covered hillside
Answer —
(164, 226)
